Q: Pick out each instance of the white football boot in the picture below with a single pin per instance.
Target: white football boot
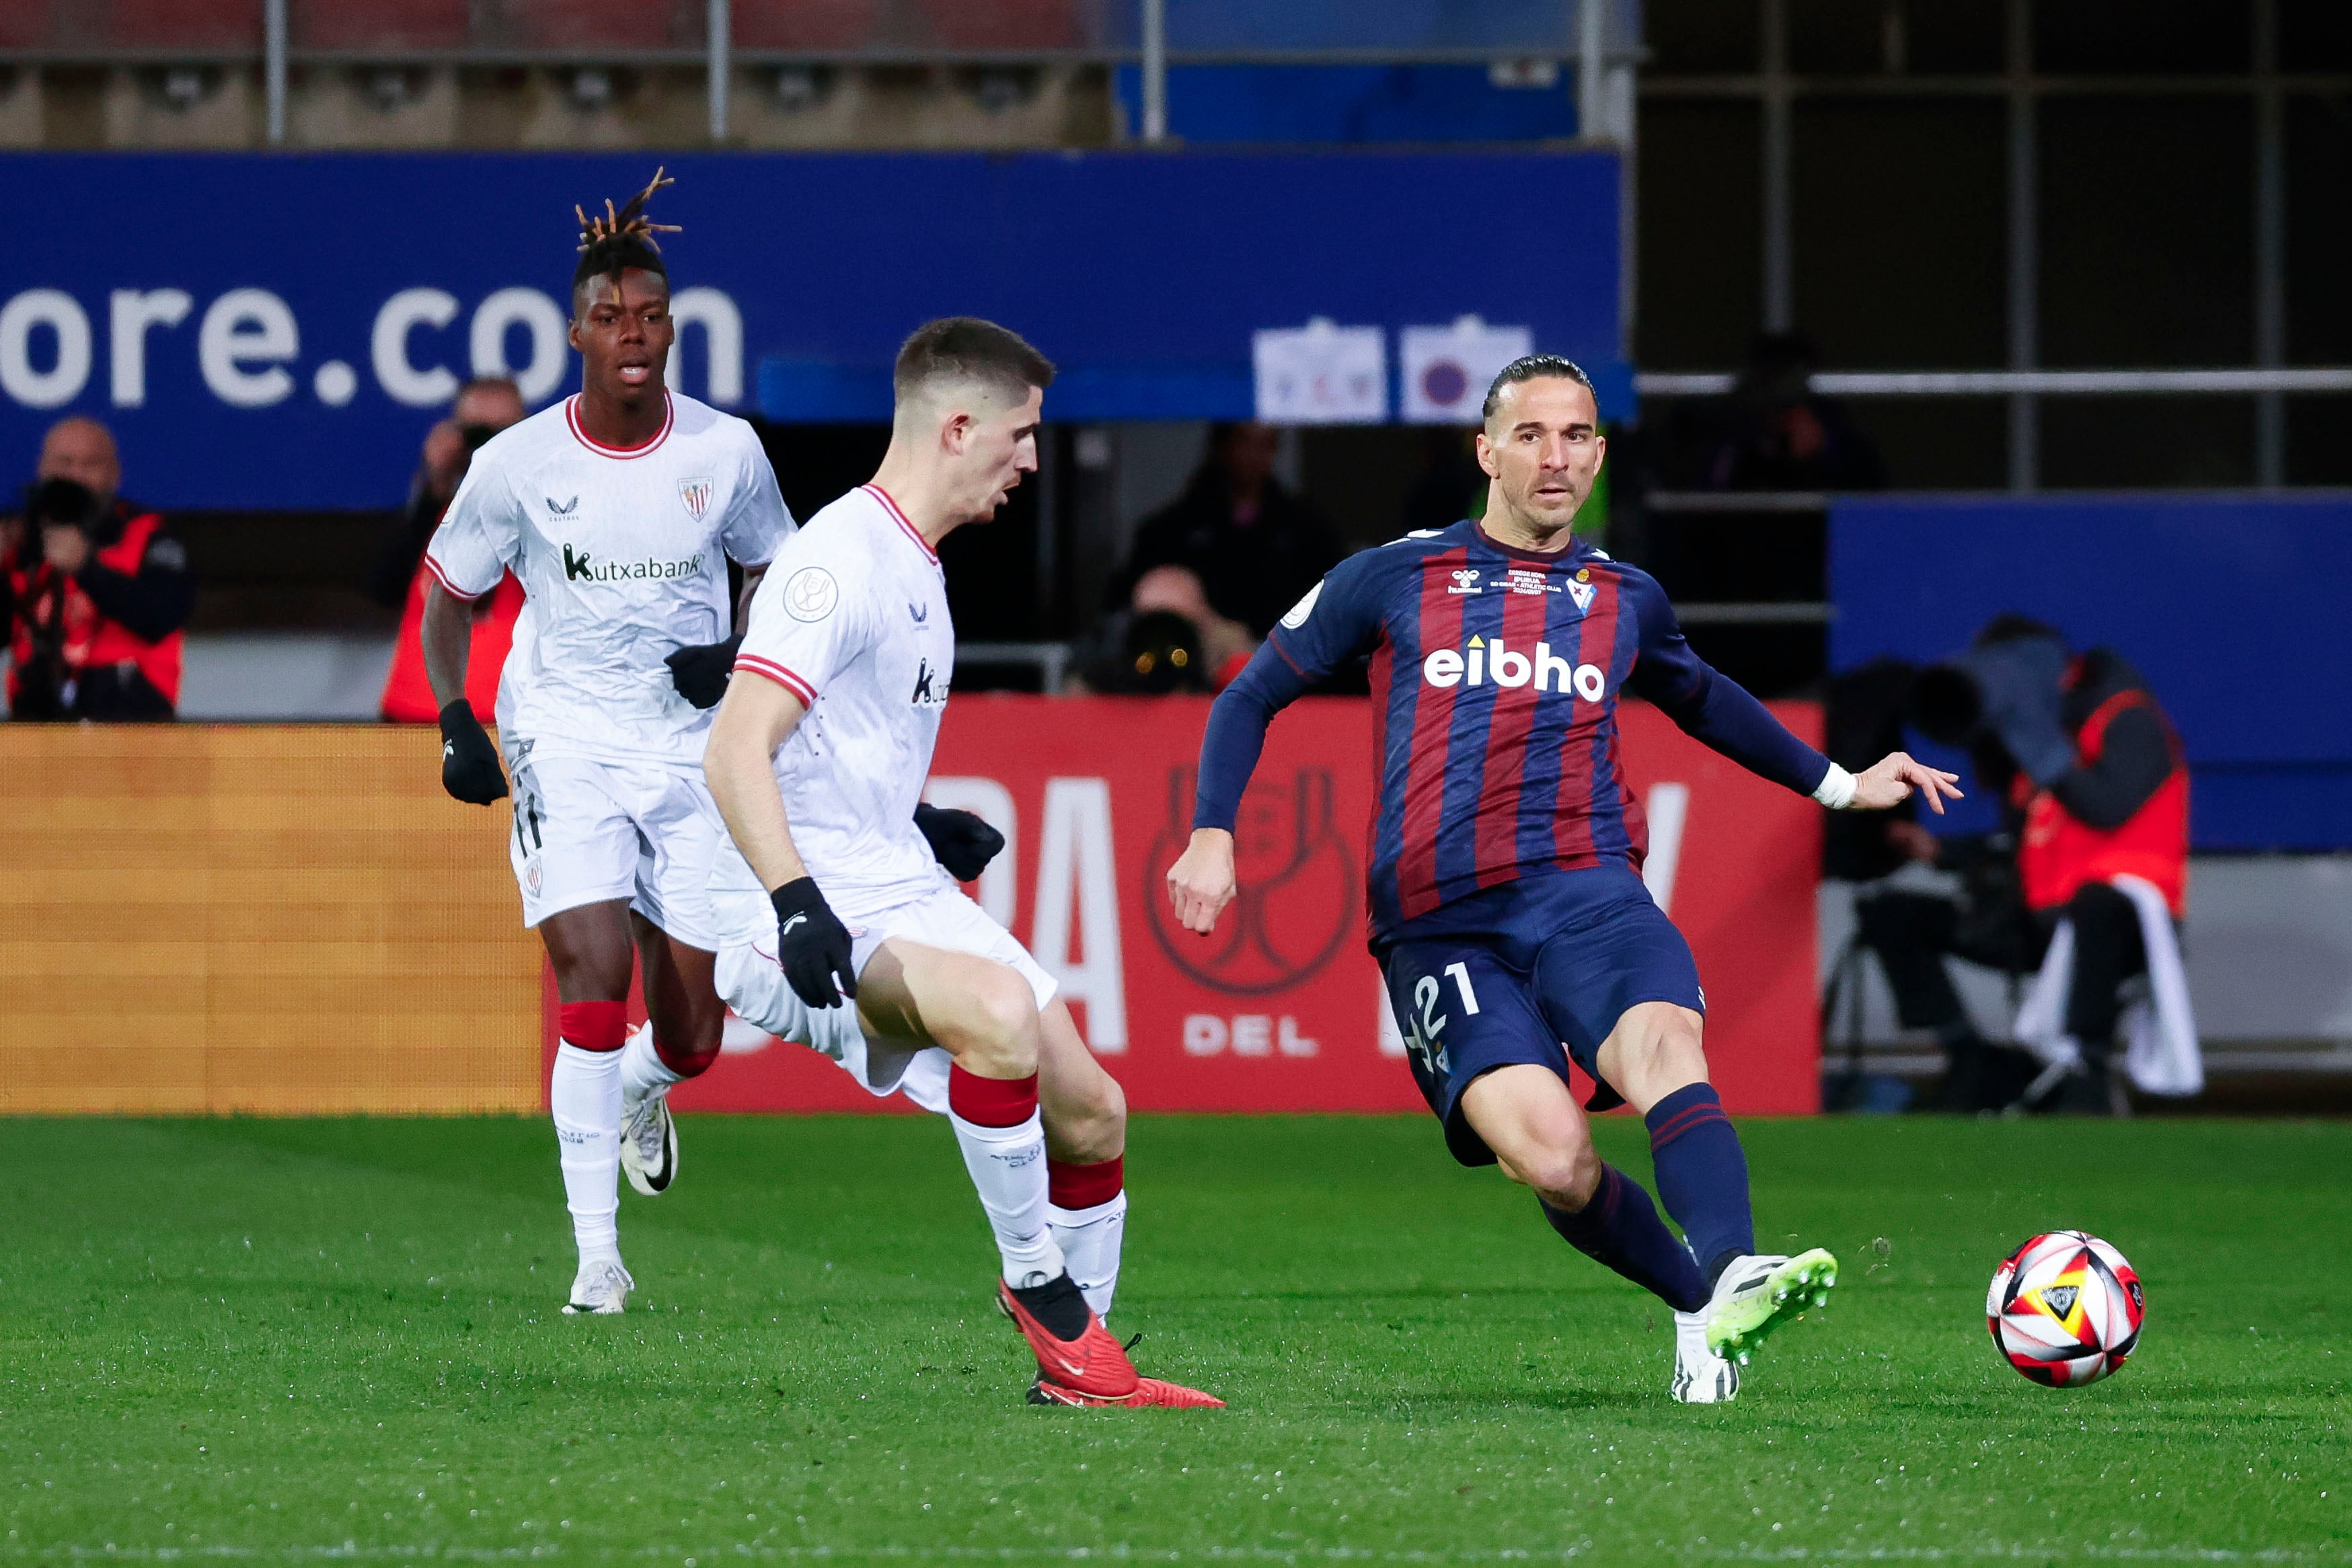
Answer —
(1756, 1294)
(649, 1145)
(601, 1288)
(1701, 1376)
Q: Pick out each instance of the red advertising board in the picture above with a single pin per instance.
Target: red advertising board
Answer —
(1282, 1010)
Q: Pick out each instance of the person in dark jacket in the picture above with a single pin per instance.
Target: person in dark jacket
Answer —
(98, 591)
(1256, 547)
(2097, 786)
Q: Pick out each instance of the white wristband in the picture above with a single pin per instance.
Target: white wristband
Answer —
(1836, 789)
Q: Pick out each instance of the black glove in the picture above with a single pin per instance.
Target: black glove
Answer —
(699, 674)
(469, 763)
(813, 945)
(960, 842)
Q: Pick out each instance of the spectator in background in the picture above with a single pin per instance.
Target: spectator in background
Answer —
(1253, 547)
(484, 406)
(1912, 922)
(98, 591)
(2096, 783)
(1782, 435)
(1170, 639)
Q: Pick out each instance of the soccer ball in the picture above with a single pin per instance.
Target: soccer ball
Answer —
(2065, 1309)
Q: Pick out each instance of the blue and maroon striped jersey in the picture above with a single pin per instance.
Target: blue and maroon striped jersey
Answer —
(1496, 673)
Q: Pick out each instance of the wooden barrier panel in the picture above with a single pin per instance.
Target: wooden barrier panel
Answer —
(281, 919)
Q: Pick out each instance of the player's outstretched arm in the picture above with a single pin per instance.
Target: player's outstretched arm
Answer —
(756, 716)
(1338, 619)
(1890, 781)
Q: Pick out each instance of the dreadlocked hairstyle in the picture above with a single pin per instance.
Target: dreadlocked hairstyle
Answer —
(617, 240)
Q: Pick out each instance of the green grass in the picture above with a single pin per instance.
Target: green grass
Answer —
(292, 1340)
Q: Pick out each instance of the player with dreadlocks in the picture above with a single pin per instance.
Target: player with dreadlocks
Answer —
(618, 509)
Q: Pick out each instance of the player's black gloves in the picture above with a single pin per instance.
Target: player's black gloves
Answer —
(700, 673)
(959, 841)
(469, 763)
(813, 945)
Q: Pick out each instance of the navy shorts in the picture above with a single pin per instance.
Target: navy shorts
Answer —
(1536, 971)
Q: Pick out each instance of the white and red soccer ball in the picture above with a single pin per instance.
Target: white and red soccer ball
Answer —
(2065, 1309)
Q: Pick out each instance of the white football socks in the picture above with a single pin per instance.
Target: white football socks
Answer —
(1008, 1171)
(585, 1092)
(643, 1072)
(1089, 1239)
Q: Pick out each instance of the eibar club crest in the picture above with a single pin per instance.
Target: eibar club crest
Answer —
(696, 494)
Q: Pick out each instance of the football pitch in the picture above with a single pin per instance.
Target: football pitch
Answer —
(289, 1340)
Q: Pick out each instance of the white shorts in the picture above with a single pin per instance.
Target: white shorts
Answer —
(585, 831)
(752, 982)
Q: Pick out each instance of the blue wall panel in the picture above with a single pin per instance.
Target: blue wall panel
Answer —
(1142, 274)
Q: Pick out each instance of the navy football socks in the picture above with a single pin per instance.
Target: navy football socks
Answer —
(1620, 1229)
(1702, 1176)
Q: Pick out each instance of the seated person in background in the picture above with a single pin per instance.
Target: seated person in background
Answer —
(1783, 436)
(1912, 922)
(1254, 548)
(484, 406)
(2095, 778)
(97, 589)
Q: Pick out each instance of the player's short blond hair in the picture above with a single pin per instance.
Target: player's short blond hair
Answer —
(965, 347)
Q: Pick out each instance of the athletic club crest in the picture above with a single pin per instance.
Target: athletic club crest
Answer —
(696, 494)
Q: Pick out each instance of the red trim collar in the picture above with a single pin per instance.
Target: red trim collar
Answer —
(571, 418)
(880, 494)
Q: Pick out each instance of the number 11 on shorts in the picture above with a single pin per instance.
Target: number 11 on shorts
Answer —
(1461, 973)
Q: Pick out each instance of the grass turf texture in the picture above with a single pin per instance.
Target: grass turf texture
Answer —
(304, 1339)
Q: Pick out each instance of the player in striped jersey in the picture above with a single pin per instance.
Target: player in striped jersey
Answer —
(1508, 909)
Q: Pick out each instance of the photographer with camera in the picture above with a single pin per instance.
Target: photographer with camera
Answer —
(98, 591)
(1919, 898)
(2097, 787)
(484, 406)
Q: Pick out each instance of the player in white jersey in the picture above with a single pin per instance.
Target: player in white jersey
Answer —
(816, 762)
(618, 509)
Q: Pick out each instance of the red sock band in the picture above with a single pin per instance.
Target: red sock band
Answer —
(991, 1102)
(592, 1026)
(684, 1063)
(1085, 1186)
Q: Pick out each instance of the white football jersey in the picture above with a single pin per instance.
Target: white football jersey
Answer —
(853, 620)
(623, 558)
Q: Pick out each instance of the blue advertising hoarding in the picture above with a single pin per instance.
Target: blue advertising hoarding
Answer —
(2233, 606)
(276, 332)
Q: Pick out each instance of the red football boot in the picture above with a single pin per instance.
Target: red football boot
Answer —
(1149, 1392)
(1093, 1364)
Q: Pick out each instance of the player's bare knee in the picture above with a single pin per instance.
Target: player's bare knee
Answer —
(1564, 1177)
(999, 1028)
(1090, 1126)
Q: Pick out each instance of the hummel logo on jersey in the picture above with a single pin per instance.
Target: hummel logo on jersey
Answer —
(1484, 661)
(565, 508)
(580, 566)
(1465, 580)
